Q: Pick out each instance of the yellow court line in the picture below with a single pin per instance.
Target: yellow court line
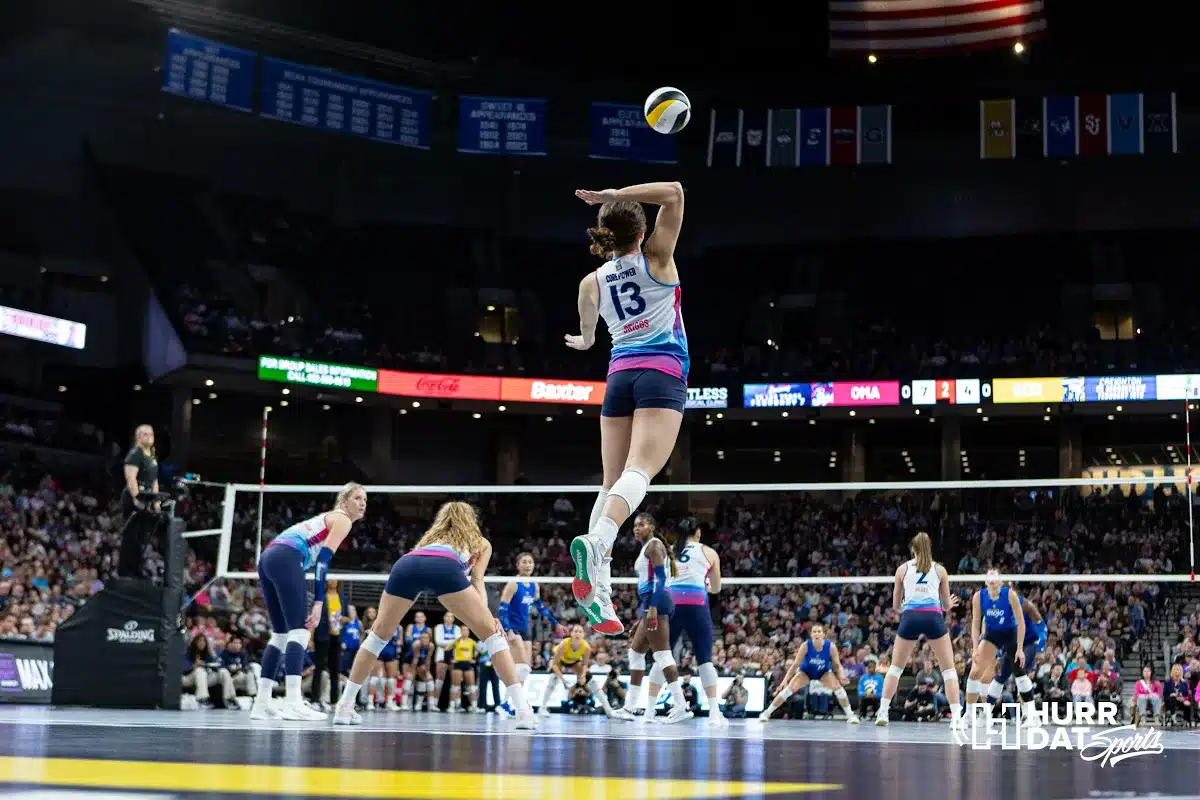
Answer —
(333, 782)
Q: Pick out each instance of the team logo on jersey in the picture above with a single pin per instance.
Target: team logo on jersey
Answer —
(1074, 728)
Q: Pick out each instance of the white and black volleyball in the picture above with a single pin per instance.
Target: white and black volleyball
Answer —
(668, 110)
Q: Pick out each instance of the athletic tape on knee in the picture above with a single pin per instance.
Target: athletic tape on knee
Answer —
(895, 672)
(278, 641)
(631, 487)
(637, 661)
(496, 643)
(708, 674)
(374, 645)
(657, 676)
(1024, 684)
(949, 675)
(663, 659)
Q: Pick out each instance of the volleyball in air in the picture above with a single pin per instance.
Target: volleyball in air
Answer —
(668, 110)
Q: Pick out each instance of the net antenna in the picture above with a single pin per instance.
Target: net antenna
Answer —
(1187, 432)
(262, 478)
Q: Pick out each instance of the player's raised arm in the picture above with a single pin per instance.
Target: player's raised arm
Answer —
(589, 314)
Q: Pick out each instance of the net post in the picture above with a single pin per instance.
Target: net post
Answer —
(1187, 432)
(262, 479)
(226, 531)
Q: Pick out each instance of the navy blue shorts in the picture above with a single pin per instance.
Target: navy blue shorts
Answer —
(814, 673)
(696, 621)
(281, 573)
(631, 389)
(414, 574)
(389, 653)
(915, 624)
(666, 606)
(522, 633)
(1005, 640)
(1010, 666)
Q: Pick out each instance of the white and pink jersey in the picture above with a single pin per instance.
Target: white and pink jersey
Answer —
(307, 536)
(643, 318)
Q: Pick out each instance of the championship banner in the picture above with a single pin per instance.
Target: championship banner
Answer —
(26, 672)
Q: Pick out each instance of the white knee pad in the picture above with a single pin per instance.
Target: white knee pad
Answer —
(949, 675)
(631, 487)
(1024, 684)
(375, 682)
(840, 694)
(974, 686)
(279, 641)
(298, 636)
(637, 661)
(895, 672)
(496, 643)
(708, 674)
(995, 689)
(657, 676)
(663, 659)
(374, 645)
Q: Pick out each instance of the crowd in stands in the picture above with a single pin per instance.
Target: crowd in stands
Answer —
(58, 546)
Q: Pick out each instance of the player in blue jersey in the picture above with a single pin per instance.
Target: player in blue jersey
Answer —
(816, 660)
(517, 600)
(351, 640)
(1033, 643)
(637, 293)
(412, 634)
(449, 562)
(281, 571)
(997, 629)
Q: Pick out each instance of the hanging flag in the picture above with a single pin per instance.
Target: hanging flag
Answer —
(931, 27)
(997, 119)
(1125, 124)
(1158, 122)
(1030, 132)
(843, 135)
(754, 140)
(1093, 125)
(875, 135)
(814, 128)
(724, 137)
(1060, 121)
(784, 144)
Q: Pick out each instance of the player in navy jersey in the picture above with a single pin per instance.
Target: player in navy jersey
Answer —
(637, 293)
(517, 600)
(1033, 643)
(281, 571)
(449, 561)
(420, 662)
(411, 634)
(997, 629)
(816, 660)
(387, 682)
(351, 640)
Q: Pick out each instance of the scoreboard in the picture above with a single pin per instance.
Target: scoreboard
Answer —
(946, 391)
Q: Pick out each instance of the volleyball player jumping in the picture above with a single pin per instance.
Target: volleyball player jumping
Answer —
(281, 572)
(449, 561)
(637, 293)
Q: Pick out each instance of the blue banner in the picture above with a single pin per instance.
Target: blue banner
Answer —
(621, 133)
(814, 136)
(204, 70)
(331, 101)
(1125, 124)
(1062, 126)
(502, 125)
(777, 395)
(1116, 389)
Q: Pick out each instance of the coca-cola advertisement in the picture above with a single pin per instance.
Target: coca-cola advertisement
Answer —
(433, 385)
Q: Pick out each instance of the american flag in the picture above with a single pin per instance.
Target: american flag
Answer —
(931, 27)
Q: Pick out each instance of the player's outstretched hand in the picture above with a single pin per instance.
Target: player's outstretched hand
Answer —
(577, 342)
(561, 631)
(593, 198)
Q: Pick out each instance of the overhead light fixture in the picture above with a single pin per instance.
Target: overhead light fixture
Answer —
(476, 415)
(285, 390)
(283, 403)
(358, 399)
(501, 408)
(208, 382)
(326, 408)
(853, 412)
(784, 415)
(416, 403)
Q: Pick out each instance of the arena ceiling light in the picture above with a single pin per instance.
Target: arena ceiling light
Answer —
(476, 415)
(501, 408)
(358, 399)
(283, 403)
(325, 407)
(285, 389)
(195, 401)
(404, 411)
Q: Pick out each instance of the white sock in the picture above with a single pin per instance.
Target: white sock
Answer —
(516, 697)
(676, 690)
(606, 529)
(598, 509)
(390, 691)
(884, 703)
(294, 695)
(596, 684)
(349, 694)
(549, 691)
(410, 687)
(523, 671)
(265, 688)
(633, 697)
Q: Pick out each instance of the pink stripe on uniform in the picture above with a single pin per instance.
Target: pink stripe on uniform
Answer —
(668, 364)
(427, 551)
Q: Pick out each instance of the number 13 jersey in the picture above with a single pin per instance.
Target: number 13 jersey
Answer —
(643, 317)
